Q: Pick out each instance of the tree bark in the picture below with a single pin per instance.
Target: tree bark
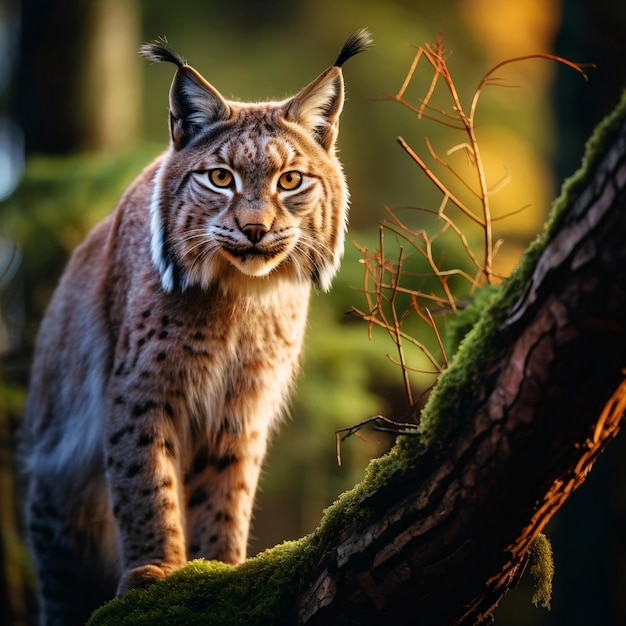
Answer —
(75, 59)
(441, 527)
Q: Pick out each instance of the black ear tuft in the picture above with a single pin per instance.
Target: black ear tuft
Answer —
(358, 42)
(194, 103)
(159, 51)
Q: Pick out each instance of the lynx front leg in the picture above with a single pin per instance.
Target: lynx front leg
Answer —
(219, 495)
(142, 470)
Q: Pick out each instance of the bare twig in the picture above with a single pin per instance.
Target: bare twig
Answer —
(397, 428)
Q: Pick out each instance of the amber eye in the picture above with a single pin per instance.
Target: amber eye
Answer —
(221, 177)
(290, 181)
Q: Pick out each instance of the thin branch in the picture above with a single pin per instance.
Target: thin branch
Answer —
(396, 329)
(399, 428)
(438, 183)
(445, 164)
(438, 337)
(410, 73)
(486, 79)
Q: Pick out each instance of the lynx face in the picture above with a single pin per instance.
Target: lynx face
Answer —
(249, 190)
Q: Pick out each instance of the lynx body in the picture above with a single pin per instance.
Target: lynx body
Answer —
(169, 348)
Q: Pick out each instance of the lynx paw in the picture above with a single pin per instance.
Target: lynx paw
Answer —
(140, 578)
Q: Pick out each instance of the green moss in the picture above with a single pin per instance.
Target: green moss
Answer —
(542, 570)
(466, 318)
(211, 593)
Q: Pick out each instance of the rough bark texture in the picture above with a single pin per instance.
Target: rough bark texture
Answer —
(441, 528)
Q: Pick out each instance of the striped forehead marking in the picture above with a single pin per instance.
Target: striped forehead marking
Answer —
(256, 150)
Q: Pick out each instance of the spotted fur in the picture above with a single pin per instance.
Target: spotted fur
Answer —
(168, 350)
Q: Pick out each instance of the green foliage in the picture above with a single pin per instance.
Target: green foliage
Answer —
(56, 203)
(11, 399)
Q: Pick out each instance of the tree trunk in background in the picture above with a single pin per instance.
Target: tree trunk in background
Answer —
(592, 31)
(76, 57)
(112, 75)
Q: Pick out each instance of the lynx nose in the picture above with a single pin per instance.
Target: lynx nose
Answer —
(254, 232)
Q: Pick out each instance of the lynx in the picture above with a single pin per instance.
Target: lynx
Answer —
(165, 358)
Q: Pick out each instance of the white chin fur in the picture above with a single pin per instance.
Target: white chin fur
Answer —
(253, 266)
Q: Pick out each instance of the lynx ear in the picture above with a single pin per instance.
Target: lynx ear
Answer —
(194, 103)
(318, 106)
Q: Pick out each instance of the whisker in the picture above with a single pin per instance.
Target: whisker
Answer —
(315, 245)
(202, 258)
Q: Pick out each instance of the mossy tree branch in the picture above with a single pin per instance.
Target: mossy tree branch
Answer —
(441, 527)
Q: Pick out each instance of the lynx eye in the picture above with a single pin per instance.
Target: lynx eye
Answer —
(221, 177)
(289, 181)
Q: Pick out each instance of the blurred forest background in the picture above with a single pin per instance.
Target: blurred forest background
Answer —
(81, 114)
